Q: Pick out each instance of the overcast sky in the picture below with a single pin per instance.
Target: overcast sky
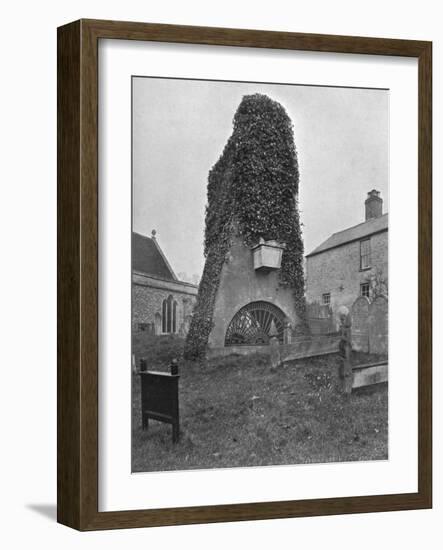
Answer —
(181, 126)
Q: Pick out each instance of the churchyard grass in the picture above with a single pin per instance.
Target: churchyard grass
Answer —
(235, 412)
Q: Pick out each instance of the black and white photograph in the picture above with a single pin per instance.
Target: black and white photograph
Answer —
(259, 274)
(218, 294)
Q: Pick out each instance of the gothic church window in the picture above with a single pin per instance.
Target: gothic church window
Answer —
(169, 315)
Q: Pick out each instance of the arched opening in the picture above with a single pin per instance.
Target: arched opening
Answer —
(252, 323)
(174, 317)
(157, 323)
(169, 315)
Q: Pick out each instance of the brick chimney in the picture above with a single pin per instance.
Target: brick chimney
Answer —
(373, 205)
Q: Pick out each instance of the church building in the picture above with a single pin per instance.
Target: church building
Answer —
(161, 303)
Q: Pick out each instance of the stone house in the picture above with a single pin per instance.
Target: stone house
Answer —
(352, 262)
(161, 303)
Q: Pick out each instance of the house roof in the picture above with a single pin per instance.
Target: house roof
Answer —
(357, 232)
(148, 258)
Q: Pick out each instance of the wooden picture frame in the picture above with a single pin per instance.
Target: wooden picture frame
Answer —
(77, 455)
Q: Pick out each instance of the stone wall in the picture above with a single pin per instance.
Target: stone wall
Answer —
(337, 271)
(148, 294)
(240, 284)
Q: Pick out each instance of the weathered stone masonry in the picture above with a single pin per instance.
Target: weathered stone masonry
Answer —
(161, 303)
(241, 284)
(148, 294)
(337, 271)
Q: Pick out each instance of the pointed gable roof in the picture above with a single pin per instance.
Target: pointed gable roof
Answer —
(355, 233)
(148, 258)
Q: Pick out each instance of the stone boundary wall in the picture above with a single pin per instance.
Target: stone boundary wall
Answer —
(310, 346)
(369, 335)
(299, 348)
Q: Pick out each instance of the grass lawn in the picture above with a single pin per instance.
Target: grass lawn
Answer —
(236, 412)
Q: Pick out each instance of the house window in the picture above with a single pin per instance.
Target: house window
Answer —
(365, 254)
(364, 290)
(326, 299)
(169, 315)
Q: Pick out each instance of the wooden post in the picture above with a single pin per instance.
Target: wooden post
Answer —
(287, 333)
(275, 347)
(174, 367)
(345, 348)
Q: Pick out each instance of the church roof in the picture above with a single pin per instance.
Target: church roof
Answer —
(354, 233)
(148, 258)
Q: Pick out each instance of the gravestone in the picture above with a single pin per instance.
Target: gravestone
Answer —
(360, 325)
(378, 325)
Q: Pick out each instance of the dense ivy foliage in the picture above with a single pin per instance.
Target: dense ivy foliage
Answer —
(252, 190)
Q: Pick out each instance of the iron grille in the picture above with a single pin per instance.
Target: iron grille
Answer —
(252, 323)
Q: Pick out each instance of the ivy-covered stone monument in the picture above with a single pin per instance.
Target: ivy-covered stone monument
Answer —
(253, 280)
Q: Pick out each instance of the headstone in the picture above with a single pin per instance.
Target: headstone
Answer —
(378, 325)
(360, 329)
